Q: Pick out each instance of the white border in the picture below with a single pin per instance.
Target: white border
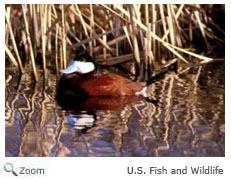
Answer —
(114, 168)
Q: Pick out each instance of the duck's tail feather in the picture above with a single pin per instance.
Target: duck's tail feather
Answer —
(172, 66)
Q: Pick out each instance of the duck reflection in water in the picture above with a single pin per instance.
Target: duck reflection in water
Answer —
(83, 87)
(84, 108)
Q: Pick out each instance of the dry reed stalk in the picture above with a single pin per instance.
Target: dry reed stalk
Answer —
(74, 37)
(149, 47)
(146, 14)
(170, 25)
(56, 48)
(82, 21)
(145, 49)
(110, 19)
(49, 47)
(30, 43)
(91, 30)
(63, 37)
(177, 15)
(11, 57)
(109, 43)
(196, 13)
(110, 22)
(44, 38)
(35, 23)
(54, 18)
(104, 49)
(13, 40)
(57, 30)
(154, 14)
(167, 45)
(136, 10)
(96, 25)
(115, 60)
(68, 41)
(158, 43)
(163, 18)
(98, 39)
(61, 55)
(192, 54)
(146, 39)
(25, 44)
(30, 17)
(7, 34)
(144, 28)
(128, 36)
(134, 39)
(30, 12)
(178, 31)
(56, 21)
(106, 46)
(114, 12)
(40, 12)
(96, 36)
(171, 34)
(190, 32)
(117, 33)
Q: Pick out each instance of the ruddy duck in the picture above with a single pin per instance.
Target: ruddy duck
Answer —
(84, 79)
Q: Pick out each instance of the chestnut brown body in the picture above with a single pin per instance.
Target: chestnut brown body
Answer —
(105, 84)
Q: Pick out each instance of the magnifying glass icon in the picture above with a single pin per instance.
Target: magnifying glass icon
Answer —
(8, 167)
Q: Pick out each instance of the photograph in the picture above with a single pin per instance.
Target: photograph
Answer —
(114, 80)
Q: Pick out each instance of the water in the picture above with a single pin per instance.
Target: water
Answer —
(183, 116)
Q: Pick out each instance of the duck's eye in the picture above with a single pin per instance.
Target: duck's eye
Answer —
(82, 59)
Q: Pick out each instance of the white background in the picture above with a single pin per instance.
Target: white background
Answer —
(114, 168)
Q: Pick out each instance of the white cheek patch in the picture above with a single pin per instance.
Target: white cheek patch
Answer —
(85, 67)
(80, 67)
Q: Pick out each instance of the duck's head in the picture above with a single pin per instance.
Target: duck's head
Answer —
(82, 63)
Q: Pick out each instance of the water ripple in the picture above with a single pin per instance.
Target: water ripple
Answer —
(188, 119)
